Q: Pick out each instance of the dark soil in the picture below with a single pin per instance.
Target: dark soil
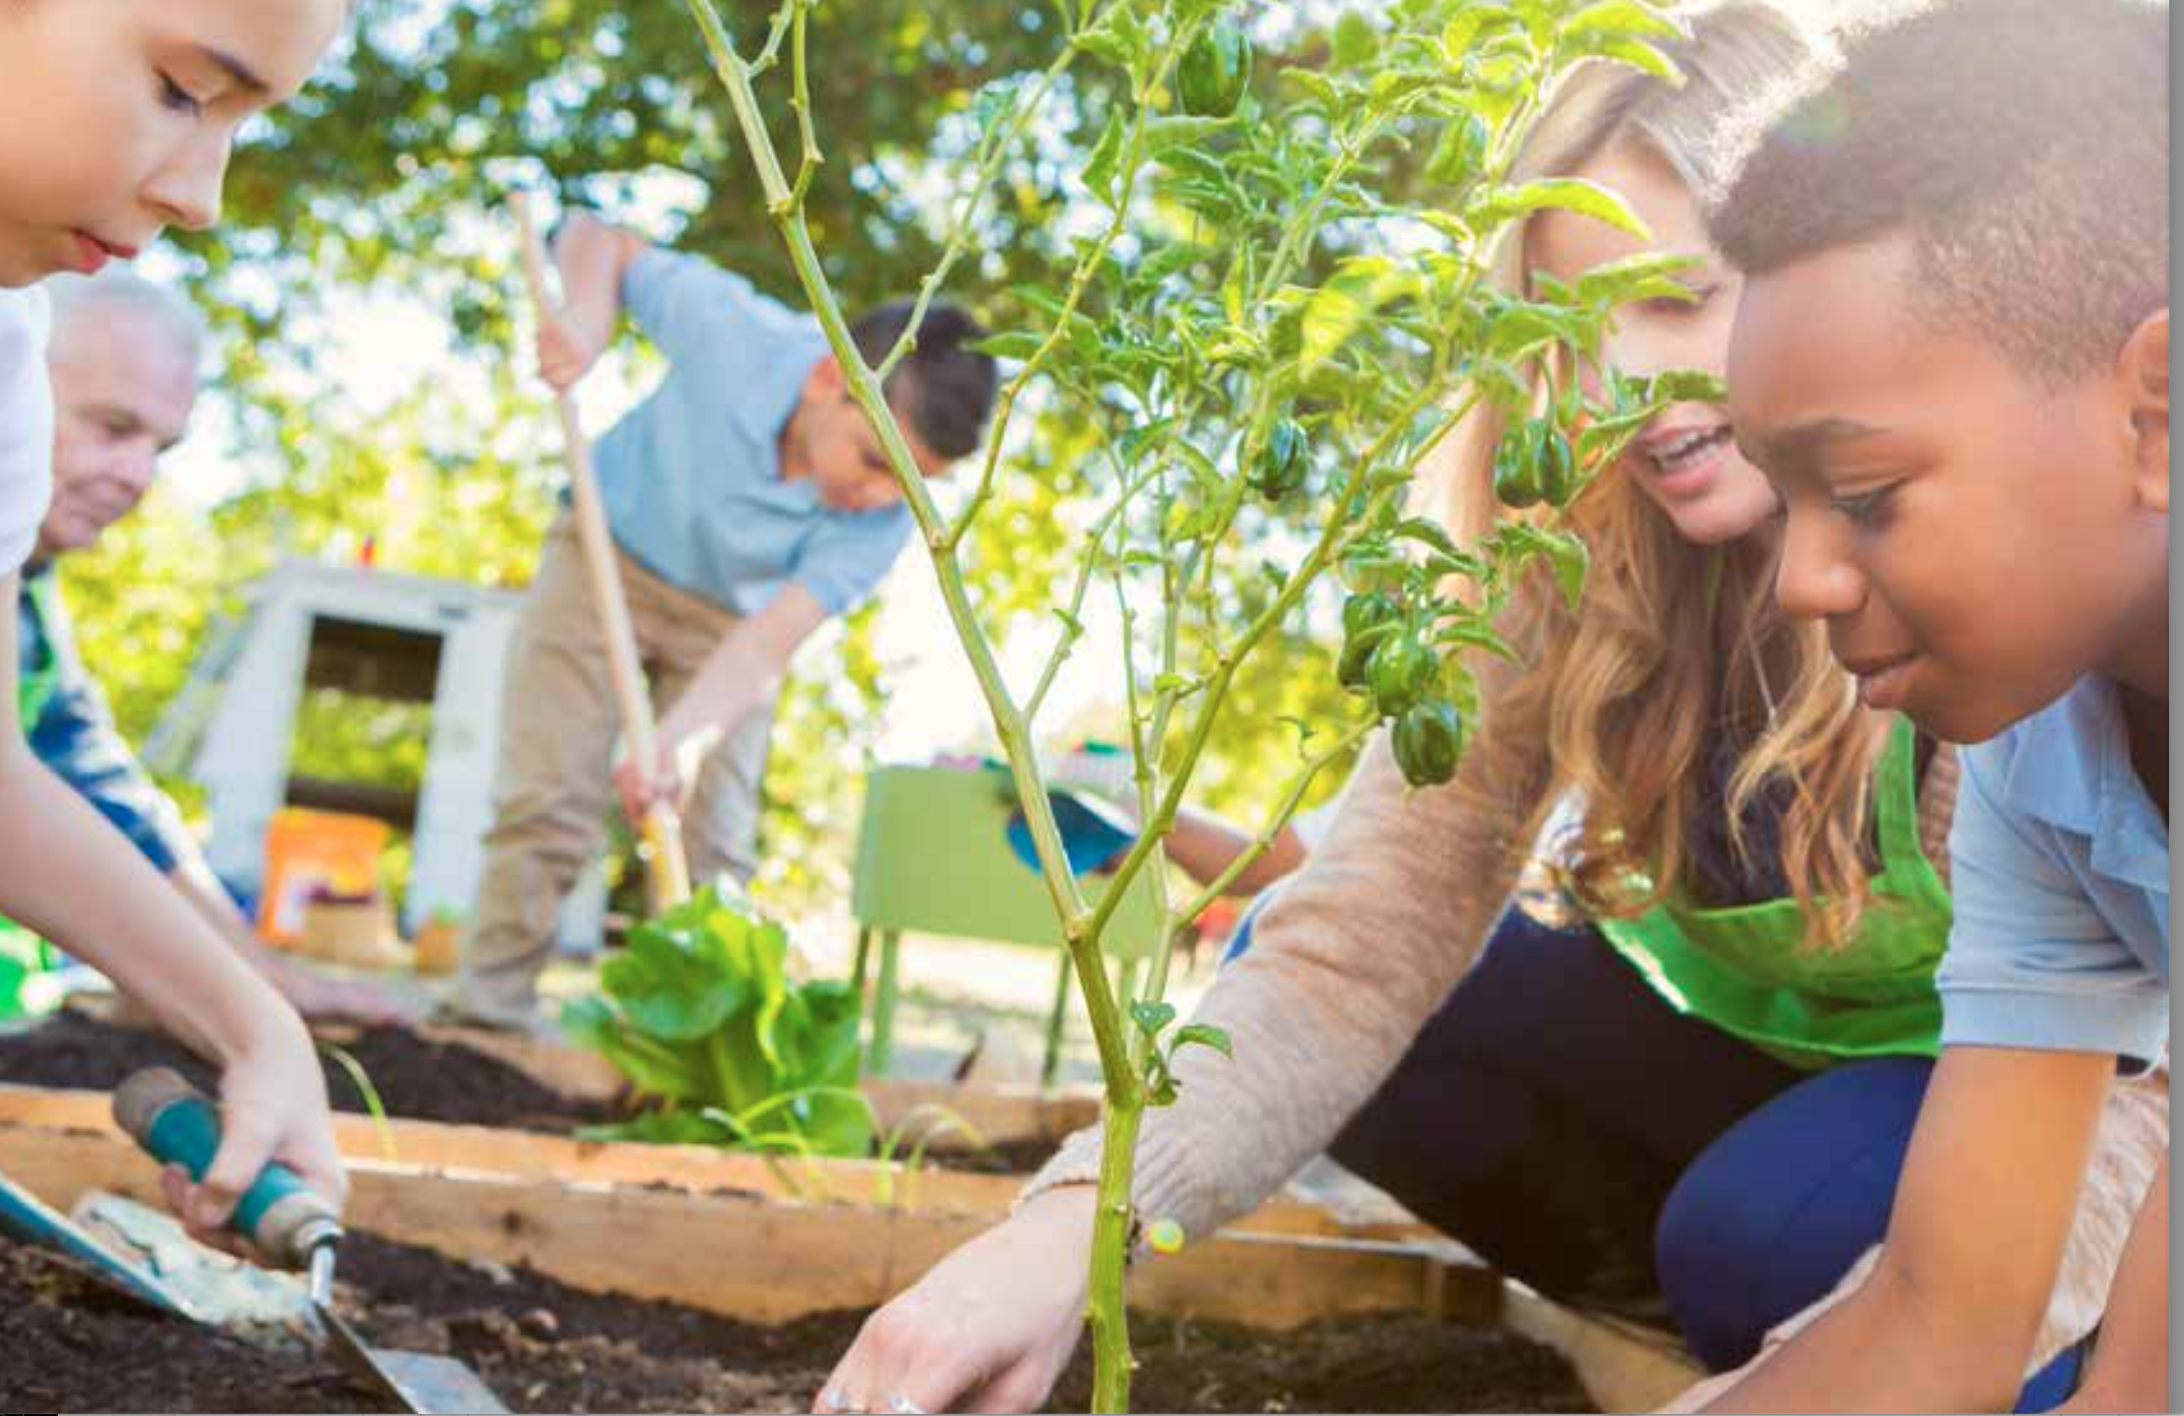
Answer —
(422, 1080)
(414, 1077)
(545, 1347)
(1017, 1157)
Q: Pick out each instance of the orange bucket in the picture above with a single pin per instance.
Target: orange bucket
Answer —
(310, 852)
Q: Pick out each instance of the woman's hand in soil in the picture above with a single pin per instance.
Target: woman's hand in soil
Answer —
(989, 1329)
(272, 1107)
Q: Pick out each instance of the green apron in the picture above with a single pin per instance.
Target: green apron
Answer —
(23, 955)
(1750, 970)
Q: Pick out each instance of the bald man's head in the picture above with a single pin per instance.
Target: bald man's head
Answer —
(124, 362)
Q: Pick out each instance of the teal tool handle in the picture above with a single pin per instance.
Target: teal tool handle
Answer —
(178, 1124)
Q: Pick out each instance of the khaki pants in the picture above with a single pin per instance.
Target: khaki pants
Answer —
(553, 788)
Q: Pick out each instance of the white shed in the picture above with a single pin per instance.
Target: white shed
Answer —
(378, 634)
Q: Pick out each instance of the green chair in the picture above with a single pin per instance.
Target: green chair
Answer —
(933, 857)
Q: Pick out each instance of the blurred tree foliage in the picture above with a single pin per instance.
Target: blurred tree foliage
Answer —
(383, 181)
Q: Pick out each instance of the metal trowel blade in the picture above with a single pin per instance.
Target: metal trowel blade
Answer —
(420, 1381)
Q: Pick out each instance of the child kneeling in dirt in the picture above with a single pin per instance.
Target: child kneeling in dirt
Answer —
(118, 121)
(749, 503)
(1952, 358)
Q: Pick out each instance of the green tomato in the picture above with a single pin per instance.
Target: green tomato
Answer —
(1427, 741)
(1516, 470)
(1283, 463)
(1557, 466)
(1352, 669)
(1401, 672)
(1214, 72)
(1363, 612)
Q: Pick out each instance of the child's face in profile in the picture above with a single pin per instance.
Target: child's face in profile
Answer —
(118, 116)
(1977, 540)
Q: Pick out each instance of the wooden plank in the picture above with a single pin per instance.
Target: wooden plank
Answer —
(1624, 1368)
(523, 1155)
(769, 1261)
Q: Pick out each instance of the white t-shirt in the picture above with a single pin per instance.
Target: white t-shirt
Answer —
(26, 423)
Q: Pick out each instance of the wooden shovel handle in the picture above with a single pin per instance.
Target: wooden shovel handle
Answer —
(667, 870)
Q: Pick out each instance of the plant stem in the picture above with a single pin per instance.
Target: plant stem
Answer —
(1113, 1228)
(785, 208)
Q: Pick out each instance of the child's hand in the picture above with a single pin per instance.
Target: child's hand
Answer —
(272, 1107)
(569, 344)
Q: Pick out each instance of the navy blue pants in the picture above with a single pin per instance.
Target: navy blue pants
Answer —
(1561, 1119)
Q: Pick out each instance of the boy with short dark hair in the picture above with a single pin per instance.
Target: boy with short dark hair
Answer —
(749, 502)
(1952, 358)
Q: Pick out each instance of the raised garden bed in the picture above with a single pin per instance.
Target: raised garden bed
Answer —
(543, 1346)
(780, 1268)
(59, 1074)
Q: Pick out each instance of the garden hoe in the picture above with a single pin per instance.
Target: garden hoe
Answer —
(177, 1124)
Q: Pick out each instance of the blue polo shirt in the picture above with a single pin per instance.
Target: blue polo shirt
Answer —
(2061, 877)
(691, 478)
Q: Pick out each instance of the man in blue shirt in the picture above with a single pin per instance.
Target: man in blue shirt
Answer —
(749, 502)
(124, 361)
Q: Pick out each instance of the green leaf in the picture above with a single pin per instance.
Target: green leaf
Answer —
(1356, 42)
(668, 988)
(1360, 287)
(1164, 135)
(1152, 1018)
(1572, 562)
(1430, 534)
(1319, 90)
(1573, 194)
(1016, 345)
(1472, 24)
(1203, 1035)
(1686, 386)
(1631, 19)
(1101, 174)
(1649, 275)
(1203, 472)
(700, 1010)
(1477, 634)
(1118, 37)
(1520, 327)
(1631, 53)
(1566, 556)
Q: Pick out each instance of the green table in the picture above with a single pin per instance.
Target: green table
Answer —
(933, 858)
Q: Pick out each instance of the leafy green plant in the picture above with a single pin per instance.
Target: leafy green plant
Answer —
(1263, 313)
(722, 1046)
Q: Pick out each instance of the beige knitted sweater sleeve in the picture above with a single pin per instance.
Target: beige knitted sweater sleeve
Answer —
(1346, 965)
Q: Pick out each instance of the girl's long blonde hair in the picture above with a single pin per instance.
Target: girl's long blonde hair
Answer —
(1675, 644)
